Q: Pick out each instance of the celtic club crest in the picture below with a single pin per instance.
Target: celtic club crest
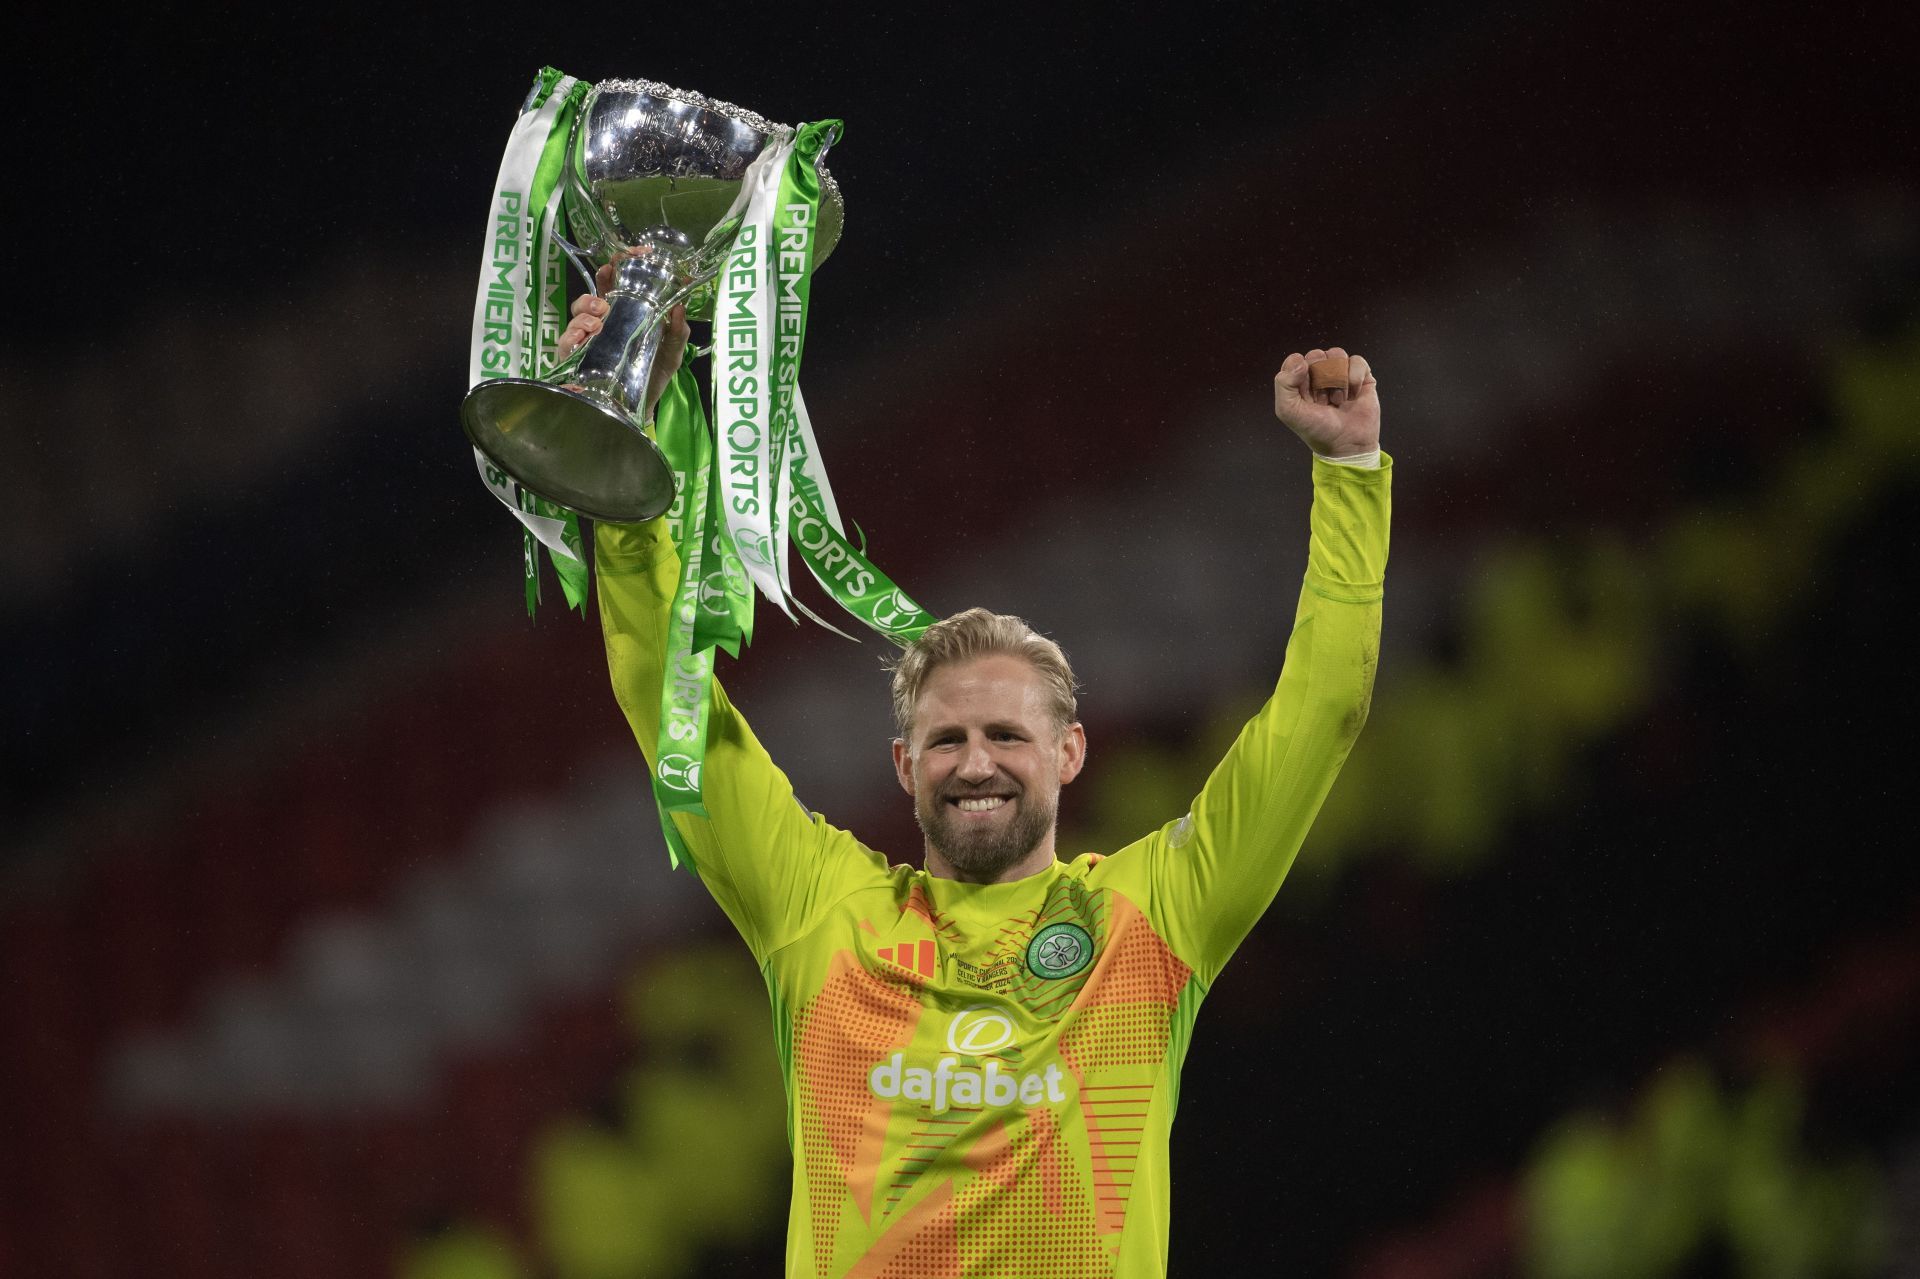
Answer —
(1059, 950)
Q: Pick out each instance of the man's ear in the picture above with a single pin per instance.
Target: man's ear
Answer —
(1073, 752)
(903, 764)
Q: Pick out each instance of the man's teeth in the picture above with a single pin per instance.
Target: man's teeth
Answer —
(981, 805)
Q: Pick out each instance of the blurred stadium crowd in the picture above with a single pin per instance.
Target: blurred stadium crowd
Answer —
(335, 933)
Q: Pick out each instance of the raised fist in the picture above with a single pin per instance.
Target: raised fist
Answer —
(1334, 423)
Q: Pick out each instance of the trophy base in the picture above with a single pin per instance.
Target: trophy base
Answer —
(569, 448)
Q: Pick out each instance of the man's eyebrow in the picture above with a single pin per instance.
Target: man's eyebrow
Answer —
(992, 726)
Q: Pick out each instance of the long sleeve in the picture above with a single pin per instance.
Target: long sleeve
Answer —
(771, 865)
(1214, 871)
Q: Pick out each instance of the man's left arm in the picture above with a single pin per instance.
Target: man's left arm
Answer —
(1215, 870)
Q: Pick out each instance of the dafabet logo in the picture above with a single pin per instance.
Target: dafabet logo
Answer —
(975, 1031)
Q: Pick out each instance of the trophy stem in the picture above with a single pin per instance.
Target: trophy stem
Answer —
(618, 360)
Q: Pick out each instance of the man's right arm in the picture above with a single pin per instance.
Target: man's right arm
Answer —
(769, 863)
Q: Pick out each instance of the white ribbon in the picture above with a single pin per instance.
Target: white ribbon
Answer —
(746, 457)
(515, 320)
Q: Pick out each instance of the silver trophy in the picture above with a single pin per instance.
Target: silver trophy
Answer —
(651, 181)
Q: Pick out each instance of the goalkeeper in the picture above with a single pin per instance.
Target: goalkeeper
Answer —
(983, 1055)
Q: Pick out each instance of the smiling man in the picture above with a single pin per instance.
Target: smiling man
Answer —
(982, 1056)
(988, 736)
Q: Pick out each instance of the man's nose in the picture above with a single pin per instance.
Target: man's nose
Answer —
(976, 765)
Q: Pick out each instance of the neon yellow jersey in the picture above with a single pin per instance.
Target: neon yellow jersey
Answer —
(981, 1078)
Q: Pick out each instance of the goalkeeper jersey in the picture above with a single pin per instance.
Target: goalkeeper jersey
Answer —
(981, 1078)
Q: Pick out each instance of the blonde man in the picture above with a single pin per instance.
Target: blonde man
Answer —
(982, 1055)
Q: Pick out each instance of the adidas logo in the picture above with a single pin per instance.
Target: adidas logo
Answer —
(915, 957)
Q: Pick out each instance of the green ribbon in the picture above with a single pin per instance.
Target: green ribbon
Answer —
(842, 569)
(680, 427)
(521, 308)
(550, 296)
(726, 592)
(712, 607)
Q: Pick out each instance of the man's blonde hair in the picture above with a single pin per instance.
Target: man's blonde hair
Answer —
(979, 633)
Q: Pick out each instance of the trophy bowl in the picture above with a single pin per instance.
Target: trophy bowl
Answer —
(653, 175)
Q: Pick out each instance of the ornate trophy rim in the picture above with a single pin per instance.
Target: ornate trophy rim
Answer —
(693, 98)
(733, 111)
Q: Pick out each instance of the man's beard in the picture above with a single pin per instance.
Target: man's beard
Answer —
(981, 853)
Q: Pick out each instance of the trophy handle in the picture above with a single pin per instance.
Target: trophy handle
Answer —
(577, 256)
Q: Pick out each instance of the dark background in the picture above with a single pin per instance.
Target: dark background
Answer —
(1638, 282)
